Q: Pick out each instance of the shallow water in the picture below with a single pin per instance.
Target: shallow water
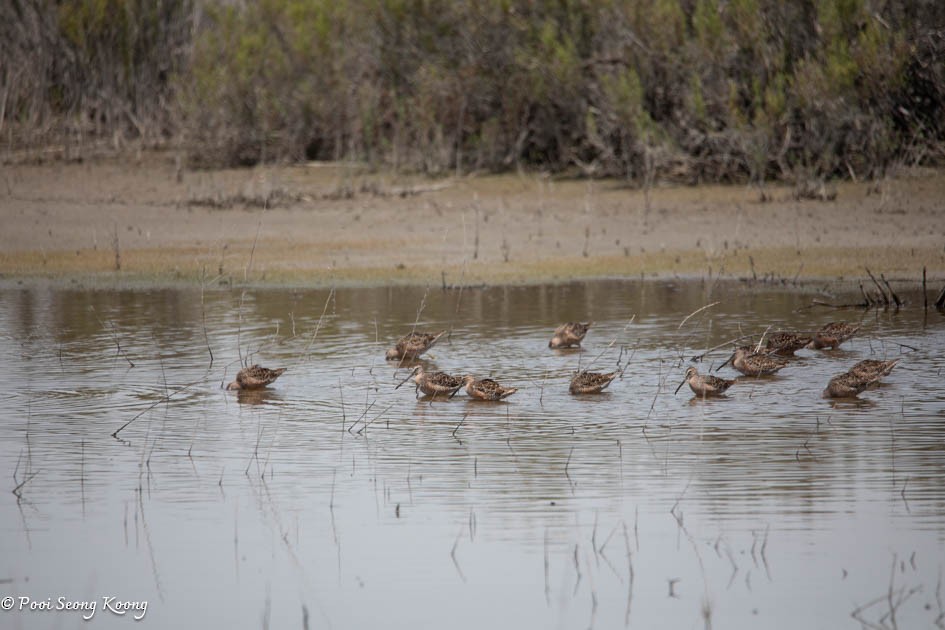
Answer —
(334, 500)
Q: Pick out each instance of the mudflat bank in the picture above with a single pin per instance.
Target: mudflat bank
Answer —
(144, 219)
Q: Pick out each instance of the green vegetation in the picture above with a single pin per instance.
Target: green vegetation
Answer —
(695, 90)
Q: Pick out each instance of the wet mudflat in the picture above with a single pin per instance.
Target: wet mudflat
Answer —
(334, 500)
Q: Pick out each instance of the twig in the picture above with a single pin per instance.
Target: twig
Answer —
(18, 490)
(363, 413)
(730, 342)
(626, 540)
(367, 424)
(453, 555)
(116, 246)
(459, 425)
(113, 335)
(925, 295)
(881, 292)
(698, 310)
(252, 252)
(895, 297)
(311, 341)
(203, 318)
(164, 399)
(547, 581)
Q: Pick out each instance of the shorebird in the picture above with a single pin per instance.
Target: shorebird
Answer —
(570, 334)
(486, 389)
(786, 344)
(848, 385)
(434, 383)
(832, 335)
(751, 363)
(255, 377)
(413, 345)
(704, 384)
(873, 367)
(591, 382)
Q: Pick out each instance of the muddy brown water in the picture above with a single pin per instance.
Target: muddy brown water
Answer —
(335, 500)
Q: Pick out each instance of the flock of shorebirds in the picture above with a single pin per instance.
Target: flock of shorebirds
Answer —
(755, 361)
(749, 360)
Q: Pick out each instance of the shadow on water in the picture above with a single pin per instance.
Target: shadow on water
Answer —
(333, 493)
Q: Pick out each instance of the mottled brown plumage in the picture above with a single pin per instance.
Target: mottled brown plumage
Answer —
(832, 335)
(255, 377)
(590, 382)
(751, 363)
(570, 334)
(705, 384)
(486, 389)
(413, 345)
(438, 384)
(786, 344)
(848, 385)
(873, 367)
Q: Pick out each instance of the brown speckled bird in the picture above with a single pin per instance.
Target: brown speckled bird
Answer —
(486, 389)
(786, 344)
(570, 334)
(704, 384)
(591, 382)
(751, 363)
(413, 345)
(873, 367)
(255, 377)
(848, 385)
(439, 384)
(832, 335)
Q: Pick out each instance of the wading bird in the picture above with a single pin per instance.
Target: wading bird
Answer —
(486, 389)
(438, 384)
(751, 363)
(413, 345)
(848, 385)
(704, 384)
(255, 377)
(570, 334)
(832, 335)
(591, 382)
(786, 344)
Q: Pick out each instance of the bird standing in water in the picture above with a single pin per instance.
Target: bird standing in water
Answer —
(486, 389)
(570, 334)
(751, 363)
(255, 377)
(704, 384)
(832, 335)
(412, 345)
(434, 383)
(591, 382)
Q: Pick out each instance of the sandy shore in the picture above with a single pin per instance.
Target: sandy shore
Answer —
(327, 223)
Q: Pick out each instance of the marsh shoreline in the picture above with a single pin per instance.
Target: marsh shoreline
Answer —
(143, 222)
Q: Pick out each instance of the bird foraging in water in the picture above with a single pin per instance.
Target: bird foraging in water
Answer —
(486, 389)
(255, 377)
(751, 363)
(704, 384)
(873, 367)
(413, 345)
(786, 344)
(434, 383)
(570, 334)
(848, 385)
(832, 335)
(591, 382)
